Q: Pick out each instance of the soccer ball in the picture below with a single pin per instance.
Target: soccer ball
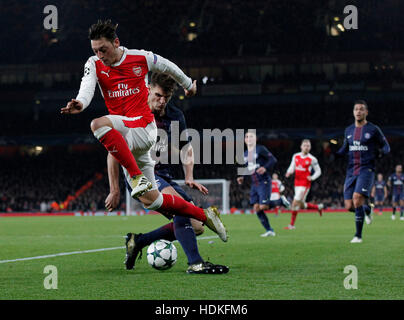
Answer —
(162, 254)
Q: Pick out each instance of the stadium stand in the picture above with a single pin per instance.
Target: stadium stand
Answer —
(242, 60)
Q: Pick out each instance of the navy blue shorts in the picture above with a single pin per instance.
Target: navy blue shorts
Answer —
(379, 198)
(396, 197)
(361, 183)
(167, 182)
(260, 193)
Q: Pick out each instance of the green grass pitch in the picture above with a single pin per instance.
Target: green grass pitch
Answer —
(306, 263)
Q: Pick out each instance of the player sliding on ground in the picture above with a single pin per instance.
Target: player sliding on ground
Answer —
(129, 131)
(183, 229)
(302, 165)
(362, 141)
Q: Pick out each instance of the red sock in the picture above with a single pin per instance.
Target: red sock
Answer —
(293, 218)
(178, 206)
(312, 206)
(117, 146)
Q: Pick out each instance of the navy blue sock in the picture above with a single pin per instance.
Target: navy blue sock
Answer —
(367, 209)
(185, 234)
(401, 211)
(165, 232)
(264, 220)
(359, 215)
(394, 211)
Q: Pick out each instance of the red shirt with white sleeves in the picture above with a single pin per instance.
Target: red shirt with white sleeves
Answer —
(302, 166)
(277, 188)
(123, 84)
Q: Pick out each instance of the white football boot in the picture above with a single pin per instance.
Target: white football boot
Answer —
(369, 218)
(356, 240)
(269, 233)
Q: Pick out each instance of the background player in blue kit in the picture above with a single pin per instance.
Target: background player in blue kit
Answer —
(260, 162)
(379, 193)
(396, 183)
(363, 143)
(183, 229)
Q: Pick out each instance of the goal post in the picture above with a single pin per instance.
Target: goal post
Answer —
(219, 196)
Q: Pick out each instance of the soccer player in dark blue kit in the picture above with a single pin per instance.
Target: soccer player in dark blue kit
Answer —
(396, 183)
(363, 143)
(260, 162)
(183, 229)
(379, 193)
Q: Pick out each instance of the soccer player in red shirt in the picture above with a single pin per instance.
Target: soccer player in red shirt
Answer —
(302, 165)
(129, 131)
(277, 198)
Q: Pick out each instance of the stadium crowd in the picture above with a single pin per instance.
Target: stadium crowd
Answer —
(42, 120)
(34, 86)
(43, 182)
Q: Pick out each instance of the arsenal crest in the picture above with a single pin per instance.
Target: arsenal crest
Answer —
(137, 71)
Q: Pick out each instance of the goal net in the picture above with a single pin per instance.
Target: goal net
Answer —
(219, 196)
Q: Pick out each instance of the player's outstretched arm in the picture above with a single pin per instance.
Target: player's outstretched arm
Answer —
(112, 200)
(383, 143)
(72, 107)
(291, 169)
(344, 148)
(270, 161)
(157, 63)
(187, 158)
(192, 91)
(317, 170)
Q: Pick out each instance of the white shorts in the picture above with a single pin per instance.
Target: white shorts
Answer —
(140, 140)
(301, 193)
(275, 196)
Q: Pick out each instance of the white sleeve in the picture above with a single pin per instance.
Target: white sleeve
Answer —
(291, 168)
(316, 168)
(281, 187)
(157, 63)
(88, 82)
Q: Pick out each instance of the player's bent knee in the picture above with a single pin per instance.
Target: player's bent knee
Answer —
(197, 226)
(152, 200)
(99, 123)
(349, 205)
(358, 200)
(263, 207)
(297, 204)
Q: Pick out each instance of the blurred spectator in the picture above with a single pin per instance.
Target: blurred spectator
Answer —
(44, 182)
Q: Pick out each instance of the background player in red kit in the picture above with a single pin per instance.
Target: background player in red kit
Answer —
(129, 131)
(302, 165)
(277, 198)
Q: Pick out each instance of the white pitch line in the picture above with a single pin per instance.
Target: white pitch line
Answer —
(80, 252)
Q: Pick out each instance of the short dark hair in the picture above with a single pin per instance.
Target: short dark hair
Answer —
(164, 81)
(103, 28)
(362, 102)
